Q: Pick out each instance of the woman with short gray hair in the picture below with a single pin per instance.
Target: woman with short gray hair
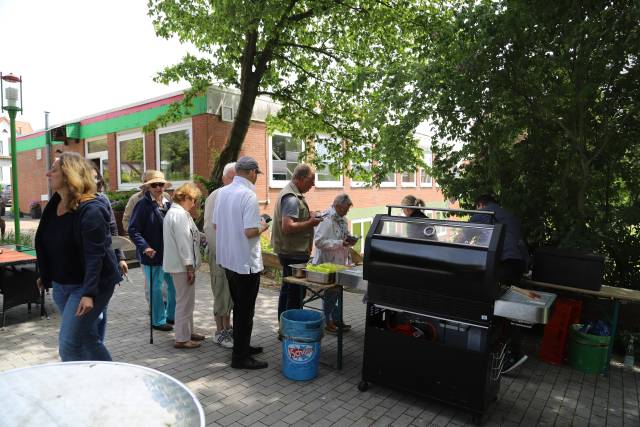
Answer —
(332, 242)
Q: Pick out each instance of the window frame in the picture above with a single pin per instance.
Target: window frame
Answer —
(422, 171)
(175, 127)
(409, 184)
(390, 184)
(100, 155)
(327, 184)
(127, 136)
(272, 182)
(360, 222)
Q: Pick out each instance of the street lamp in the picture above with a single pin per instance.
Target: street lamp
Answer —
(10, 94)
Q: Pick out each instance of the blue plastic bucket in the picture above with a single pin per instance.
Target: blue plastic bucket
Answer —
(302, 332)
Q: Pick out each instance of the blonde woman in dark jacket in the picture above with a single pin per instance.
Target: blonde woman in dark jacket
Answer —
(75, 257)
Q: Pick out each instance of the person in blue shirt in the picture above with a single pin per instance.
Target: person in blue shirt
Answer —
(514, 262)
(113, 229)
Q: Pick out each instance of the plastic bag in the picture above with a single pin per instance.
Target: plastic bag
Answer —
(599, 328)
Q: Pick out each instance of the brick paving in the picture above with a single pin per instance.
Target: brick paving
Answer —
(541, 394)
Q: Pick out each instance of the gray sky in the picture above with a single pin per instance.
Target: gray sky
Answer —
(79, 57)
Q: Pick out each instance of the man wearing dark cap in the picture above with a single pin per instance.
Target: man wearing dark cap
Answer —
(238, 225)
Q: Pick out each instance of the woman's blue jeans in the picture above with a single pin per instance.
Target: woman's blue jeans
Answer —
(330, 305)
(159, 312)
(79, 337)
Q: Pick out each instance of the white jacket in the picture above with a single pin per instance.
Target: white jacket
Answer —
(181, 241)
(328, 237)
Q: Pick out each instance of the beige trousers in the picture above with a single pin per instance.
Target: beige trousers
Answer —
(185, 303)
(222, 302)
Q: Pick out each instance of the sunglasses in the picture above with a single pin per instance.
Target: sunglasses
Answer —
(156, 184)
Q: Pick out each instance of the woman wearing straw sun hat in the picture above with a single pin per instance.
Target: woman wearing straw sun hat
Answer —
(145, 229)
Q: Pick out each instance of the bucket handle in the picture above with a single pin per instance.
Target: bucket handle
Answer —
(301, 339)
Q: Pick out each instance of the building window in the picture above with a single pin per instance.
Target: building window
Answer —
(130, 160)
(97, 145)
(96, 151)
(425, 179)
(409, 179)
(324, 177)
(173, 149)
(389, 180)
(285, 155)
(360, 228)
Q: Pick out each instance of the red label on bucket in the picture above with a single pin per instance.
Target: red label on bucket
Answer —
(300, 353)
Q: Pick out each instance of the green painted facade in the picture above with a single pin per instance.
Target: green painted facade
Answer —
(129, 121)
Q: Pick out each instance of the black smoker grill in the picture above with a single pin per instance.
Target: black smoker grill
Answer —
(430, 327)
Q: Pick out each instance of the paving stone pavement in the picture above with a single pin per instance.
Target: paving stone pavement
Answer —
(540, 394)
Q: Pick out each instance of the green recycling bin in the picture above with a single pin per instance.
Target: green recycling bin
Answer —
(587, 353)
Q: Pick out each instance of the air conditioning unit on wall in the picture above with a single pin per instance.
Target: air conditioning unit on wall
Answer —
(226, 113)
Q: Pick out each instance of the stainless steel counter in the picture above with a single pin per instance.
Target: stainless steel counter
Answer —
(352, 278)
(519, 308)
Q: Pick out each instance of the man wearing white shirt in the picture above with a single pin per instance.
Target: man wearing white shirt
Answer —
(237, 221)
(222, 303)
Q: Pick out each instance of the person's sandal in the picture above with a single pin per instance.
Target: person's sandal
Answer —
(187, 344)
(197, 337)
(331, 329)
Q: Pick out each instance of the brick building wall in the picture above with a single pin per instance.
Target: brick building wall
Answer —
(113, 167)
(209, 135)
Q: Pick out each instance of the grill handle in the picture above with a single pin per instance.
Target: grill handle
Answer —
(427, 208)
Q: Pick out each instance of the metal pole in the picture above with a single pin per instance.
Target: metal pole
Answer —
(150, 303)
(47, 139)
(14, 174)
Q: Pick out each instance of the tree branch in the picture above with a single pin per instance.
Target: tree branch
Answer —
(315, 49)
(310, 111)
(307, 72)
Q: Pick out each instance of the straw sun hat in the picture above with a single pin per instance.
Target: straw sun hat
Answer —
(153, 176)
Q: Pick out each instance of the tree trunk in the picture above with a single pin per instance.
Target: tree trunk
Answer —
(249, 83)
(238, 132)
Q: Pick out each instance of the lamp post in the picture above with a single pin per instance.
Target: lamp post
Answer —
(11, 93)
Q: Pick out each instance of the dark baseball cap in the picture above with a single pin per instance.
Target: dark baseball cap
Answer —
(247, 163)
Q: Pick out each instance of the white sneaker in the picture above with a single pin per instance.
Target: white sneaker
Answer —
(222, 339)
(228, 338)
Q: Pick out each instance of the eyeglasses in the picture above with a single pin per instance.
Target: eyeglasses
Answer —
(156, 184)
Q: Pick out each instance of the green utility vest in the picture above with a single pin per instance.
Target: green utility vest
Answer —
(291, 244)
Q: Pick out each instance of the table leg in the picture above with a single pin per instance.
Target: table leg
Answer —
(43, 308)
(614, 327)
(340, 329)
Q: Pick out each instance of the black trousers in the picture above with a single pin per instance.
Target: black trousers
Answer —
(244, 291)
(291, 296)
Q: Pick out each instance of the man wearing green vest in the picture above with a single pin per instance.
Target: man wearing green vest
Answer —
(292, 233)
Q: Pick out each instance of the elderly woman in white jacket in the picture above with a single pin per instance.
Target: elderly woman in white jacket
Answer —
(181, 259)
(332, 241)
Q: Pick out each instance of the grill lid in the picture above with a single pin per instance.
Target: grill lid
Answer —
(450, 257)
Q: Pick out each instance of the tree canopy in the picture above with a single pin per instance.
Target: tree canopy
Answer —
(330, 64)
(542, 100)
(535, 101)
